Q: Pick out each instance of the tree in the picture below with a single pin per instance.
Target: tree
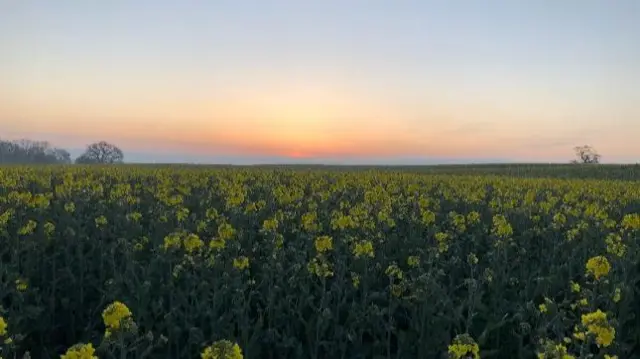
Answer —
(586, 154)
(32, 152)
(102, 153)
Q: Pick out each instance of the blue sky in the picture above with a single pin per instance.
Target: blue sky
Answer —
(338, 80)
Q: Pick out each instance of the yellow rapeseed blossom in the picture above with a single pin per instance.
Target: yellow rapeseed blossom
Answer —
(323, 244)
(172, 241)
(223, 349)
(394, 272)
(241, 263)
(192, 243)
(473, 217)
(543, 308)
(464, 347)
(101, 221)
(413, 261)
(3, 326)
(596, 324)
(355, 279)
(21, 285)
(80, 351)
(363, 249)
(615, 245)
(217, 244)
(598, 267)
(115, 314)
(575, 287)
(617, 295)
(320, 268)
(552, 350)
(396, 290)
(270, 225)
(70, 207)
(309, 222)
(226, 232)
(443, 241)
(501, 226)
(607, 356)
(631, 221)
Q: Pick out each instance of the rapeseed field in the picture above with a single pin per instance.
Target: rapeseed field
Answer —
(188, 262)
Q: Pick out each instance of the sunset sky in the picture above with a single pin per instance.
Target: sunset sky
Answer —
(336, 80)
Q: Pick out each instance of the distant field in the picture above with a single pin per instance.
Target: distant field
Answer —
(491, 261)
(603, 171)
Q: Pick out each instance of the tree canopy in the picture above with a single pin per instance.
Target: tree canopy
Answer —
(586, 154)
(32, 152)
(101, 153)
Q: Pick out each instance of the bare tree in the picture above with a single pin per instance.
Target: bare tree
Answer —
(32, 152)
(101, 152)
(586, 154)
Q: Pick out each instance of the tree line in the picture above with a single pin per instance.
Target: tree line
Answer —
(42, 152)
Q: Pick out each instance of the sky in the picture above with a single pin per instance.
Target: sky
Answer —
(336, 81)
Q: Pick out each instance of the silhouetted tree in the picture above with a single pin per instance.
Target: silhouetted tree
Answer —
(586, 154)
(32, 152)
(101, 152)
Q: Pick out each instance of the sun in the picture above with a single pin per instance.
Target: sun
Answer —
(297, 154)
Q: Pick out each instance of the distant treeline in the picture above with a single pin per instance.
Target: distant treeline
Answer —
(29, 152)
(32, 152)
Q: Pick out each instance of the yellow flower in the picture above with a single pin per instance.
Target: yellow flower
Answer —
(597, 324)
(225, 232)
(241, 262)
(270, 225)
(223, 349)
(172, 241)
(442, 239)
(3, 326)
(115, 314)
(617, 295)
(355, 278)
(501, 226)
(21, 285)
(217, 243)
(363, 249)
(463, 347)
(101, 221)
(192, 243)
(631, 221)
(80, 351)
(320, 268)
(598, 267)
(323, 244)
(607, 356)
(575, 287)
(552, 350)
(309, 221)
(543, 308)
(413, 261)
(393, 271)
(396, 290)
(615, 245)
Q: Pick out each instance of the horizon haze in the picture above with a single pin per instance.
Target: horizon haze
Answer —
(335, 82)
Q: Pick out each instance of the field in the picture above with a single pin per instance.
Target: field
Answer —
(296, 262)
